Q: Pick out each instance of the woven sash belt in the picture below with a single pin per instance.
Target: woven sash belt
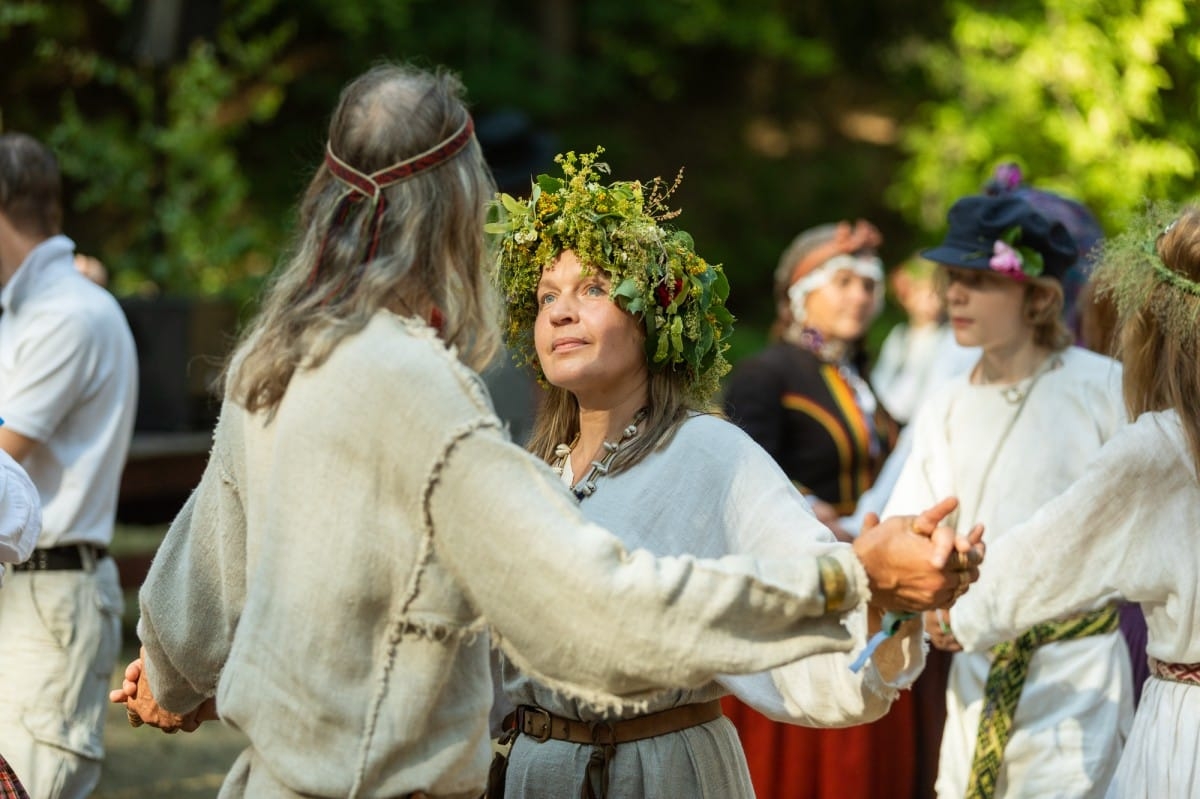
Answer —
(543, 726)
(1006, 679)
(1186, 673)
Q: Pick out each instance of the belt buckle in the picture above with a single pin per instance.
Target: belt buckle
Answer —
(542, 714)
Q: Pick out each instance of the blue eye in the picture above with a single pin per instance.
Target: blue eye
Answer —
(545, 299)
(596, 291)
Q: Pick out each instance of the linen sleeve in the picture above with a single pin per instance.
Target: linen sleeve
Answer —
(767, 516)
(196, 586)
(20, 512)
(1099, 540)
(576, 611)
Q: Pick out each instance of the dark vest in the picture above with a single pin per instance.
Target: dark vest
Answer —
(802, 411)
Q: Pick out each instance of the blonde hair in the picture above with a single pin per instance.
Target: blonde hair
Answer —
(1043, 309)
(432, 253)
(668, 404)
(1160, 352)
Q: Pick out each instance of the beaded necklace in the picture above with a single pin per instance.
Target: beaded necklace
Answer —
(587, 486)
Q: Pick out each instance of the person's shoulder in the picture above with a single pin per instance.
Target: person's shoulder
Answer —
(1154, 431)
(407, 361)
(709, 428)
(1086, 360)
(1095, 372)
(777, 363)
(705, 438)
(74, 304)
(1152, 444)
(771, 356)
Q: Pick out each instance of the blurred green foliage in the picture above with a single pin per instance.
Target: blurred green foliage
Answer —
(1094, 98)
(183, 167)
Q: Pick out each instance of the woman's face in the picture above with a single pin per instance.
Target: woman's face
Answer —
(841, 309)
(985, 309)
(585, 343)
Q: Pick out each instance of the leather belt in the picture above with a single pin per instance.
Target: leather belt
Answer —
(542, 725)
(68, 557)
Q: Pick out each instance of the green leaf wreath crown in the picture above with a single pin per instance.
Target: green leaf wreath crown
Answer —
(619, 228)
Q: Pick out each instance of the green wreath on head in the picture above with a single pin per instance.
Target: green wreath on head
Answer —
(618, 228)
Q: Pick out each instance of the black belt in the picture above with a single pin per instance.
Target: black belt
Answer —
(68, 557)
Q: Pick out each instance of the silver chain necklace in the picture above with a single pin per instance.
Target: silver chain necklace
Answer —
(587, 486)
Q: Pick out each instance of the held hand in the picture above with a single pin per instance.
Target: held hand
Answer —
(142, 708)
(913, 564)
(128, 689)
(937, 626)
(827, 515)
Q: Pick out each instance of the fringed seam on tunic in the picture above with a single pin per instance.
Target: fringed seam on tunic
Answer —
(470, 380)
(401, 624)
(592, 703)
(440, 633)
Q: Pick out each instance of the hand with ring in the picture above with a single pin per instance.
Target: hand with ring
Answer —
(910, 560)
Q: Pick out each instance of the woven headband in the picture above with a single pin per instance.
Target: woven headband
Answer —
(361, 186)
(847, 240)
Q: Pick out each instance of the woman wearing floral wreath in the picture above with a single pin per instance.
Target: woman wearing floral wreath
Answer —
(1128, 527)
(626, 325)
(1045, 714)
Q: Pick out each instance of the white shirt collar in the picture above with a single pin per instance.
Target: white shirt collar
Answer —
(42, 261)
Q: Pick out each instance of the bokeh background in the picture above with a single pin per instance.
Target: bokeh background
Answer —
(187, 127)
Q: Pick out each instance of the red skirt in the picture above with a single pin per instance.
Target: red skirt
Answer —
(870, 761)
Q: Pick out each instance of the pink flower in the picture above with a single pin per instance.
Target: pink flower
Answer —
(1006, 260)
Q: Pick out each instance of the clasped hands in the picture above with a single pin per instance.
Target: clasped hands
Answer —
(141, 707)
(912, 563)
(915, 564)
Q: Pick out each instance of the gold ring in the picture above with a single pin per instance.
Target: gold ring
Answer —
(961, 561)
(134, 719)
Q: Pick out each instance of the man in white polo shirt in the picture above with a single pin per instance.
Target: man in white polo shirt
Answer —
(68, 391)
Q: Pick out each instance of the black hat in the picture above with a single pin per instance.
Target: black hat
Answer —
(978, 222)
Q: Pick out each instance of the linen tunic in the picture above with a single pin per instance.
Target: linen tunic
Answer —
(1076, 706)
(334, 577)
(711, 491)
(1127, 528)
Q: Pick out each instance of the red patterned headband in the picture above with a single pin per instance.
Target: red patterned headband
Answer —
(361, 186)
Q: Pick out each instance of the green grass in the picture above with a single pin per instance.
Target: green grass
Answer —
(136, 539)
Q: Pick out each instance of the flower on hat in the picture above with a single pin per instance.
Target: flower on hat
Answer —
(1006, 260)
(1012, 260)
(619, 227)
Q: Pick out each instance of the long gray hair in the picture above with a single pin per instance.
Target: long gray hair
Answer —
(431, 256)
